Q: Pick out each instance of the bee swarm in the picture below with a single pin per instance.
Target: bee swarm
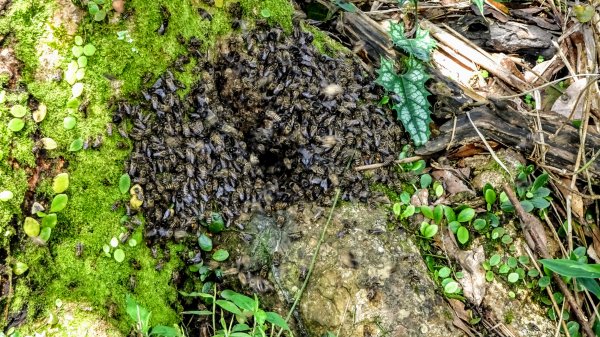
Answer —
(271, 122)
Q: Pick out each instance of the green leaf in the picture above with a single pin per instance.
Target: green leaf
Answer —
(229, 306)
(572, 268)
(205, 243)
(31, 227)
(495, 260)
(45, 234)
(60, 183)
(497, 232)
(479, 224)
(265, 13)
(506, 239)
(489, 276)
(100, 15)
(275, 319)
(89, 49)
(438, 214)
(479, 4)
(82, 61)
(527, 205)
(242, 301)
(18, 110)
(77, 51)
(49, 221)
(220, 255)
(140, 315)
(420, 46)
(59, 203)
(19, 269)
(124, 183)
(347, 6)
(164, 331)
(591, 285)
(426, 180)
(198, 312)
(426, 211)
(462, 234)
(69, 122)
(405, 197)
(512, 262)
(76, 145)
(540, 203)
(503, 269)
(451, 288)
(119, 255)
(444, 272)
(429, 231)
(544, 282)
(449, 213)
(454, 225)
(217, 225)
(397, 209)
(539, 182)
(513, 277)
(6, 195)
(77, 89)
(412, 106)
(78, 40)
(466, 215)
(408, 211)
(16, 124)
(490, 196)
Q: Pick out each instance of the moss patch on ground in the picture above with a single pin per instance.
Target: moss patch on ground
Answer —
(324, 43)
(127, 49)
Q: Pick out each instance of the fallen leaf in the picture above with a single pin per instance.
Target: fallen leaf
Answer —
(566, 102)
(473, 282)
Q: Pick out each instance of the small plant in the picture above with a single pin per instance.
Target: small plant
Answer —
(410, 94)
(98, 9)
(141, 317)
(532, 196)
(251, 320)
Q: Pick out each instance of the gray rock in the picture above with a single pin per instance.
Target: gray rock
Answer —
(369, 280)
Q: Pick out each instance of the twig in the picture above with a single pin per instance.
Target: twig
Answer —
(540, 248)
(378, 165)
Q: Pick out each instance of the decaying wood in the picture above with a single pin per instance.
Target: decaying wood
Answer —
(513, 129)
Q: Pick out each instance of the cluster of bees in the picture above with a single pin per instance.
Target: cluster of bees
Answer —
(269, 123)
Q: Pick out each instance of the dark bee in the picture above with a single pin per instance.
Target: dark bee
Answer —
(79, 249)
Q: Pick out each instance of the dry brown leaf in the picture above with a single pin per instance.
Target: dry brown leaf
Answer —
(473, 282)
(452, 183)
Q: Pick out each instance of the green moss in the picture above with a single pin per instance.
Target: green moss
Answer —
(281, 11)
(325, 44)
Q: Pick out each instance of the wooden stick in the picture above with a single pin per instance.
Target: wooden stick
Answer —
(528, 221)
(378, 165)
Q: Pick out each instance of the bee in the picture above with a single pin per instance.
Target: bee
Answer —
(79, 249)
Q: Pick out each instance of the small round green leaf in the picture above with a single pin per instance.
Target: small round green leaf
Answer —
(217, 225)
(79, 74)
(479, 224)
(16, 124)
(100, 15)
(503, 269)
(426, 180)
(119, 255)
(205, 243)
(59, 203)
(49, 143)
(114, 242)
(49, 221)
(495, 260)
(506, 239)
(397, 209)
(77, 51)
(489, 276)
(45, 234)
(82, 61)
(462, 234)
(78, 40)
(20, 268)
(124, 183)
(76, 145)
(60, 183)
(106, 249)
(524, 259)
(265, 13)
(426, 211)
(220, 255)
(438, 213)
(31, 227)
(466, 215)
(69, 122)
(18, 110)
(454, 225)
(89, 49)
(513, 277)
(77, 89)
(6, 195)
(512, 262)
(444, 272)
(451, 287)
(132, 242)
